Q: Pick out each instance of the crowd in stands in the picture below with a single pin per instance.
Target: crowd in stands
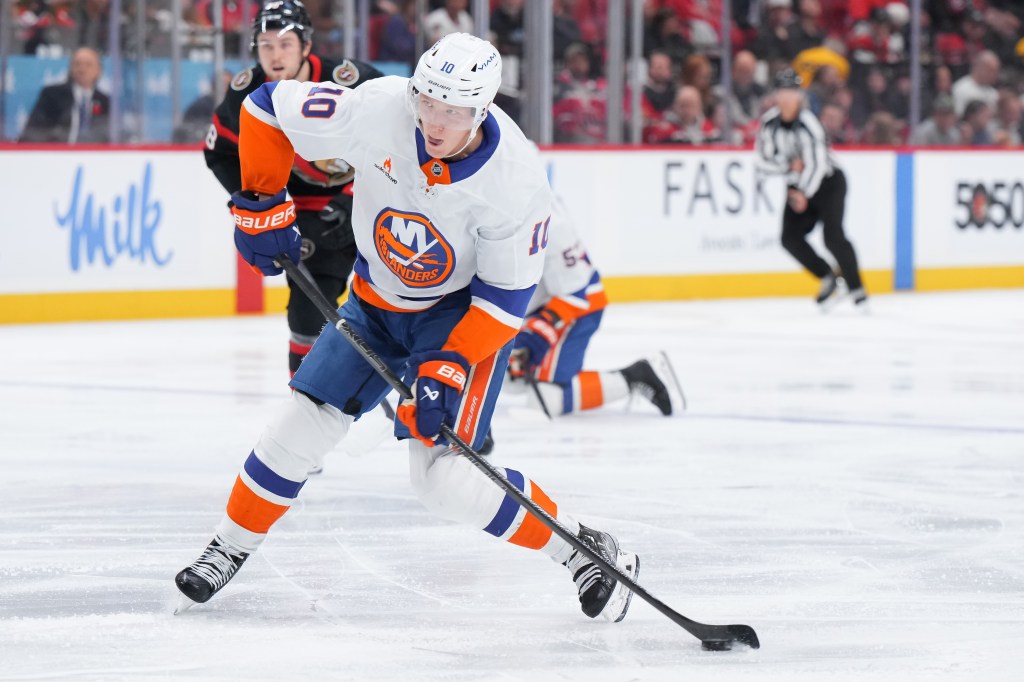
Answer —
(854, 57)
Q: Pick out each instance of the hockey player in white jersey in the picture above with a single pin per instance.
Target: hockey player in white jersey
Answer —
(450, 197)
(564, 313)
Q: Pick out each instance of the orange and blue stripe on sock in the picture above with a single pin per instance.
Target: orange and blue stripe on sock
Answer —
(514, 524)
(584, 392)
(260, 496)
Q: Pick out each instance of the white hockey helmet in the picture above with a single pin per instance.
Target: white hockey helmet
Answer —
(461, 70)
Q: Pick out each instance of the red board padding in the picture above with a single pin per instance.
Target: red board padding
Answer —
(249, 291)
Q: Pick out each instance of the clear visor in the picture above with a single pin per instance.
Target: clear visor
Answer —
(434, 113)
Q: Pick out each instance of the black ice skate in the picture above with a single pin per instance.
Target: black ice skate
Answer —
(860, 298)
(602, 594)
(655, 380)
(207, 574)
(829, 284)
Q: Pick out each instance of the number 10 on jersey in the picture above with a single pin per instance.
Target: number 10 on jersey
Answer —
(321, 107)
(540, 236)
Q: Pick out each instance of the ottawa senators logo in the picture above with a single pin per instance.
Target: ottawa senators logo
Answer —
(345, 73)
(412, 248)
(241, 80)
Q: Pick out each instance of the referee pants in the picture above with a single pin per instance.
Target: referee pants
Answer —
(827, 205)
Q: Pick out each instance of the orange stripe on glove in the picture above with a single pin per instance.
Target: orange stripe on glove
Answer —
(436, 394)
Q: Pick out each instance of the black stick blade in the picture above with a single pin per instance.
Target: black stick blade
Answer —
(744, 634)
(722, 637)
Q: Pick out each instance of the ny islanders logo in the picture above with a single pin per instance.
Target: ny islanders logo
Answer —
(412, 248)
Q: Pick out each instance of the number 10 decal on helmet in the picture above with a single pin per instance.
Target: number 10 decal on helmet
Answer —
(460, 71)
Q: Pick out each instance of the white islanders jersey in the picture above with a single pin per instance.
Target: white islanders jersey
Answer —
(423, 227)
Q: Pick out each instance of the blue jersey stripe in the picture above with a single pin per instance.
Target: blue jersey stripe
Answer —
(512, 301)
(261, 97)
(269, 481)
(362, 268)
(509, 507)
(460, 170)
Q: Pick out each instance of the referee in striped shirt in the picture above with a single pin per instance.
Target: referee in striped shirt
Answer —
(792, 142)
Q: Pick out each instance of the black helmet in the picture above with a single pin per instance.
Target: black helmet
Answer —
(283, 15)
(788, 79)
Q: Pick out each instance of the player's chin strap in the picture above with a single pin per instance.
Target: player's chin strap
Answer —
(713, 637)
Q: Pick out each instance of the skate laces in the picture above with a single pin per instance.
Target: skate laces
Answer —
(585, 572)
(217, 564)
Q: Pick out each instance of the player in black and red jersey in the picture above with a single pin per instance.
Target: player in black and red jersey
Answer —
(282, 37)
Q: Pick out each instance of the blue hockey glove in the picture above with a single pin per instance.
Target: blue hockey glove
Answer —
(264, 229)
(539, 333)
(437, 392)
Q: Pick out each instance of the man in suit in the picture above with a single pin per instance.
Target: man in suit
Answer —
(76, 111)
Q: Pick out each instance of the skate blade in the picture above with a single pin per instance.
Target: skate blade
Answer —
(673, 381)
(616, 608)
(184, 604)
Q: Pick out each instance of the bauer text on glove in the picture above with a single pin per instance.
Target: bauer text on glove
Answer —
(437, 392)
(265, 228)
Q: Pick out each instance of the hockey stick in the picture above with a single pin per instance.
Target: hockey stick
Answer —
(713, 637)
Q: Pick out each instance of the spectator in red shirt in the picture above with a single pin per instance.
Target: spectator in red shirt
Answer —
(580, 110)
(685, 123)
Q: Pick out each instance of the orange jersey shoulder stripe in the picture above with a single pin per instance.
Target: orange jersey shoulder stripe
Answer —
(265, 153)
(478, 335)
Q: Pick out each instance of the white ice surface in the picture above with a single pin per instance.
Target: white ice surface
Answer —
(851, 486)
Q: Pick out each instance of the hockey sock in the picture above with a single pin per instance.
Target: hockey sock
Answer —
(519, 527)
(261, 496)
(294, 442)
(448, 485)
(587, 390)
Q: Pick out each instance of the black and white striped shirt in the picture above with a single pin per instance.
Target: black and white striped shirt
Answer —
(779, 143)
